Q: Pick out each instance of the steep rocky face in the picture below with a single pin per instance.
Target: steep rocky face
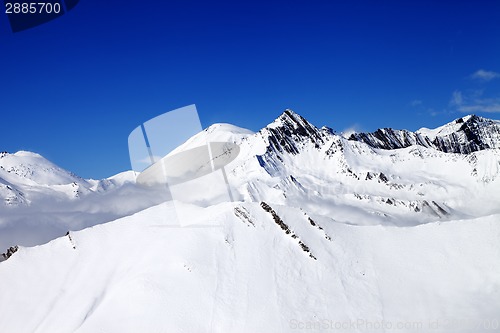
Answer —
(388, 138)
(304, 161)
(475, 133)
(464, 135)
(289, 131)
(10, 251)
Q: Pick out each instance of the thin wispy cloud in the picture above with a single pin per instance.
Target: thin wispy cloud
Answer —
(416, 102)
(481, 106)
(473, 102)
(457, 98)
(483, 75)
(435, 113)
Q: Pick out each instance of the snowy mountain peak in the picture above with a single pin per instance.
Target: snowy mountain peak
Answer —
(219, 132)
(21, 153)
(24, 153)
(289, 131)
(30, 168)
(451, 127)
(467, 134)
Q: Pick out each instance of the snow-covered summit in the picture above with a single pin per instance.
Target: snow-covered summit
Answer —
(40, 201)
(465, 135)
(448, 128)
(289, 131)
(219, 132)
(32, 168)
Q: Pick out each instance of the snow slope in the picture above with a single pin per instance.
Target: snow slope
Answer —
(141, 274)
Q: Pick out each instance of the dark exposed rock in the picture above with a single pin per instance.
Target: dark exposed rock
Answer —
(10, 251)
(244, 215)
(475, 133)
(440, 209)
(277, 219)
(71, 240)
(388, 138)
(291, 130)
(383, 178)
(314, 224)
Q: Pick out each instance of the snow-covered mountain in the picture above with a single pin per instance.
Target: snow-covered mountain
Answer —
(303, 166)
(325, 232)
(40, 201)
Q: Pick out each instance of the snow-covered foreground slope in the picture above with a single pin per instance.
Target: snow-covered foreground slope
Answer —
(141, 274)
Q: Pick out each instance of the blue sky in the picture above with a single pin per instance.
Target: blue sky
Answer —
(74, 88)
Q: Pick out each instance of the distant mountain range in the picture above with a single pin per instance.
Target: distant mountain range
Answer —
(464, 135)
(388, 175)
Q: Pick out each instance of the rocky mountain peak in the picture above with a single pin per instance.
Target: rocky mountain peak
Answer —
(473, 134)
(290, 130)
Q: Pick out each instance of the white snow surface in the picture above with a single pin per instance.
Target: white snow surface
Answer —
(323, 232)
(140, 274)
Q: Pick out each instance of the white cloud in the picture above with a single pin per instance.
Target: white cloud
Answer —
(480, 107)
(415, 102)
(483, 75)
(473, 102)
(457, 98)
(433, 112)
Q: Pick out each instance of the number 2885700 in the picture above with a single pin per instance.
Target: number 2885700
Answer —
(32, 8)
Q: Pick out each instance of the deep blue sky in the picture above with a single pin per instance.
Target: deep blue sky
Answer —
(73, 89)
